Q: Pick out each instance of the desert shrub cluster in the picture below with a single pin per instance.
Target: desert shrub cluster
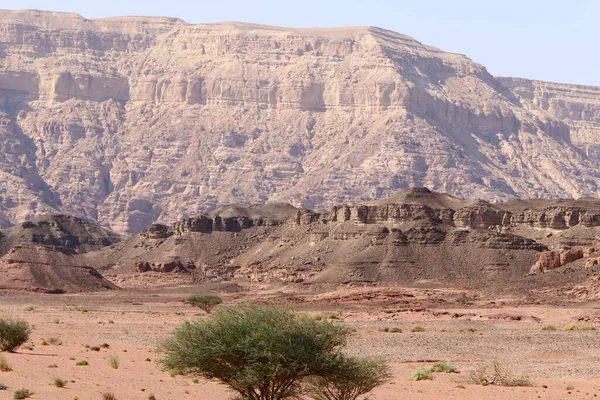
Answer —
(427, 373)
(13, 333)
(269, 353)
(496, 374)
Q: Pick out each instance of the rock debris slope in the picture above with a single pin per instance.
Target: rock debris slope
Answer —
(42, 255)
(415, 237)
(130, 121)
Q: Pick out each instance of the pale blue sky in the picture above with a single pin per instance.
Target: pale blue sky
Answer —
(554, 40)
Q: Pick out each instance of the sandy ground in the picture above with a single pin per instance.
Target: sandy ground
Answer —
(561, 365)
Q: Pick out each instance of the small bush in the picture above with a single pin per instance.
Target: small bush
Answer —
(206, 303)
(23, 394)
(54, 341)
(95, 348)
(13, 333)
(105, 345)
(151, 397)
(496, 374)
(109, 396)
(575, 327)
(113, 361)
(82, 363)
(58, 382)
(351, 378)
(30, 307)
(548, 328)
(4, 365)
(421, 375)
(442, 366)
(417, 328)
(396, 330)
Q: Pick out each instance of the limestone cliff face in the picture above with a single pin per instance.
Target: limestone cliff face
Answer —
(130, 121)
(428, 208)
(577, 106)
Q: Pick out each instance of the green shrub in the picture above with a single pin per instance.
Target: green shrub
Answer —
(575, 327)
(496, 374)
(13, 333)
(417, 328)
(206, 303)
(30, 307)
(58, 382)
(82, 363)
(442, 366)
(113, 361)
(4, 365)
(109, 396)
(95, 348)
(421, 375)
(54, 341)
(548, 328)
(352, 378)
(23, 394)
(396, 330)
(261, 352)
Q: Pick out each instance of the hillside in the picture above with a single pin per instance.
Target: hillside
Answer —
(416, 237)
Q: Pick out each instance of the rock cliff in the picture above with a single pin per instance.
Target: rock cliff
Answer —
(417, 237)
(131, 121)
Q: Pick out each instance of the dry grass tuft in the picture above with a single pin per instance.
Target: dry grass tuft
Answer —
(496, 374)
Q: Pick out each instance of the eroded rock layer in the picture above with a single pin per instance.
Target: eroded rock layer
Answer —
(133, 121)
(415, 237)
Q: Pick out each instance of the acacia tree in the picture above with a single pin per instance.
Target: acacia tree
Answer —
(205, 302)
(261, 352)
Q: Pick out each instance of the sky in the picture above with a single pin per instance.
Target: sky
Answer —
(552, 40)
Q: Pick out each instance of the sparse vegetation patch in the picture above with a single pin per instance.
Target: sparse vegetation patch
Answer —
(205, 302)
(421, 375)
(497, 374)
(13, 333)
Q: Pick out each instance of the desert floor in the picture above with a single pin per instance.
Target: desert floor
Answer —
(459, 328)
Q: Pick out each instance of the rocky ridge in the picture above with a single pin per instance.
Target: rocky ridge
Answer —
(133, 121)
(42, 255)
(416, 237)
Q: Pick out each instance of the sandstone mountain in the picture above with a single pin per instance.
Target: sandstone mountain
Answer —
(129, 121)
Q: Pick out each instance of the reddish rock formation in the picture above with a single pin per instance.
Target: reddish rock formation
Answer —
(554, 259)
